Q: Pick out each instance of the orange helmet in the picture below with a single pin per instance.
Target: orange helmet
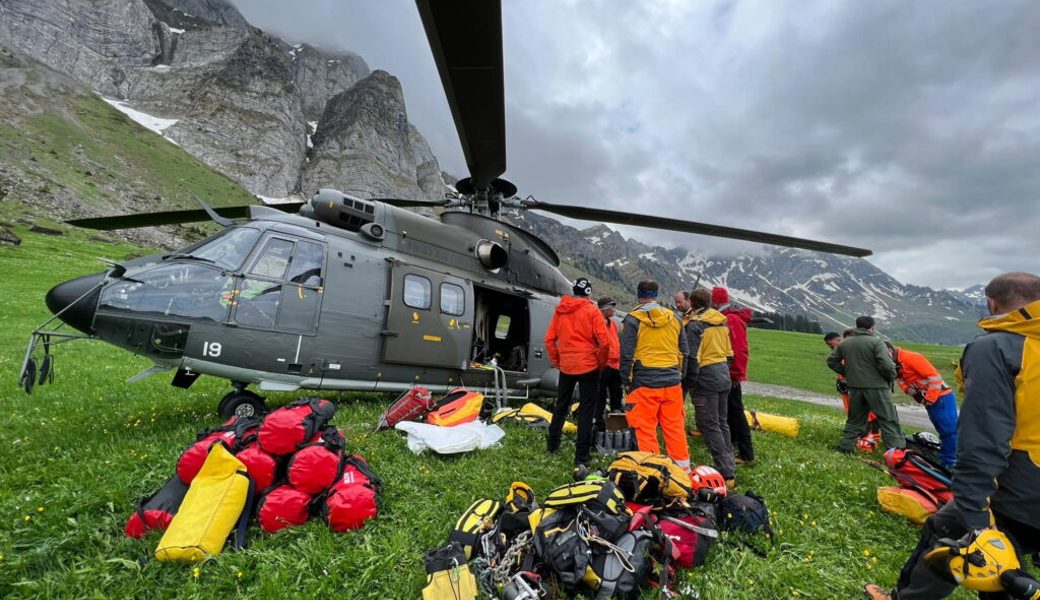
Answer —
(707, 477)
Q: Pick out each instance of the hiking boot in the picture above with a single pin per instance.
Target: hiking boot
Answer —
(874, 592)
(744, 461)
(580, 472)
(731, 484)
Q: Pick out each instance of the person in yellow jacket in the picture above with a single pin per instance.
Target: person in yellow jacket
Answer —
(707, 378)
(996, 480)
(653, 350)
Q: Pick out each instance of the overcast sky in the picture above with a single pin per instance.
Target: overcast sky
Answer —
(912, 128)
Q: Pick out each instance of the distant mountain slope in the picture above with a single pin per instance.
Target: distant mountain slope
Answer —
(831, 289)
(64, 152)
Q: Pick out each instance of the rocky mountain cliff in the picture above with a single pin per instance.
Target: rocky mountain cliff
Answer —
(831, 289)
(243, 101)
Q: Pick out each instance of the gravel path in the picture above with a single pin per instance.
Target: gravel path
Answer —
(909, 414)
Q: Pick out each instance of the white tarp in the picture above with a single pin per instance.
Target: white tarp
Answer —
(450, 440)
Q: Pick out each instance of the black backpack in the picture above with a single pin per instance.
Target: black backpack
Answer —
(744, 512)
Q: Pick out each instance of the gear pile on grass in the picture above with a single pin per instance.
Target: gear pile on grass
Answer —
(296, 465)
(612, 535)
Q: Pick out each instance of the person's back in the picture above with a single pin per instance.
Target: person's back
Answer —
(867, 362)
(571, 340)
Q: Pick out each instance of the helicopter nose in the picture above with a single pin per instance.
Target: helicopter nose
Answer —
(69, 297)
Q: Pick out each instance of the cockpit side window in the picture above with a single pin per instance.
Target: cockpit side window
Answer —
(274, 259)
(229, 249)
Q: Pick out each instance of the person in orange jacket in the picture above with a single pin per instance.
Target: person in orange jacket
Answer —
(653, 356)
(868, 442)
(919, 379)
(610, 378)
(578, 344)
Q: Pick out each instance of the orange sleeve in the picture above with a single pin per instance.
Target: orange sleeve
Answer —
(602, 335)
(923, 375)
(551, 335)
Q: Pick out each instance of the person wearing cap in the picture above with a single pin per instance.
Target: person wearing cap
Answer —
(708, 381)
(737, 320)
(578, 344)
(610, 378)
(653, 352)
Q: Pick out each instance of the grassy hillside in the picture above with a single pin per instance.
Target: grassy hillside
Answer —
(800, 359)
(75, 455)
(64, 152)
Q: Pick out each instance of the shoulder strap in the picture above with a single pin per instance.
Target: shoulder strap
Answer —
(242, 526)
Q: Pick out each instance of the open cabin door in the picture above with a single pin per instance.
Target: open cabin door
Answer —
(429, 319)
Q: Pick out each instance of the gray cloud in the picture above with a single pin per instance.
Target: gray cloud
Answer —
(909, 128)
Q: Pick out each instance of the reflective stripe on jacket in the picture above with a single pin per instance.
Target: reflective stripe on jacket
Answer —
(918, 378)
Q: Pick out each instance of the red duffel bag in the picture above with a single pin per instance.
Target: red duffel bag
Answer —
(287, 428)
(156, 511)
(261, 466)
(693, 532)
(409, 406)
(283, 506)
(354, 498)
(235, 434)
(314, 467)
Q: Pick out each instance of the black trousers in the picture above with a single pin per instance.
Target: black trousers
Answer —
(739, 431)
(609, 385)
(917, 581)
(588, 398)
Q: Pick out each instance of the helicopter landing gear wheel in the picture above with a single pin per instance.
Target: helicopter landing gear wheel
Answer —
(241, 403)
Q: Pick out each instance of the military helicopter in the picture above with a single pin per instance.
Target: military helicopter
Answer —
(352, 293)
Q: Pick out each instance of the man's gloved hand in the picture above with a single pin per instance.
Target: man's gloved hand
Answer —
(842, 386)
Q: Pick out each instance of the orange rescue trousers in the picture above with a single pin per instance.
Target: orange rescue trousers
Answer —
(660, 406)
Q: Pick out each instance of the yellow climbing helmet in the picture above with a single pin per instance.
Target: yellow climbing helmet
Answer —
(977, 565)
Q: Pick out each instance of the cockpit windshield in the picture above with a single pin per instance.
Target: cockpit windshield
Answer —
(228, 250)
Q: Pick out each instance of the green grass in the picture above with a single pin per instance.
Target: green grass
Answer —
(74, 457)
(89, 149)
(800, 359)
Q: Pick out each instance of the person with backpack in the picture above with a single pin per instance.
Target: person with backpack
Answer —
(736, 320)
(578, 344)
(996, 479)
(870, 372)
(610, 377)
(707, 379)
(920, 380)
(653, 353)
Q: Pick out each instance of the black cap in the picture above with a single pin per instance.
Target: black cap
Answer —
(582, 287)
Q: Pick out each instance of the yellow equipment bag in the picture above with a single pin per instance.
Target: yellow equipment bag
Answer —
(533, 409)
(599, 491)
(448, 576)
(649, 478)
(477, 520)
(914, 504)
(220, 497)
(777, 424)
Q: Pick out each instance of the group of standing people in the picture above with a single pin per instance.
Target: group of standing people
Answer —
(659, 358)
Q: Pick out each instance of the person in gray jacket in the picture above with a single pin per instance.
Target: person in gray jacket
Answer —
(996, 480)
(870, 373)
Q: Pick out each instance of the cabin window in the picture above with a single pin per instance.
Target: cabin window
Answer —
(418, 291)
(227, 250)
(453, 299)
(274, 259)
(176, 289)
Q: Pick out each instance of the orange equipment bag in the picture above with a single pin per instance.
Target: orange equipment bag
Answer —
(457, 407)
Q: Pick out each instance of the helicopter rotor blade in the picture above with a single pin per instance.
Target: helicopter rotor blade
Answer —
(406, 202)
(173, 217)
(466, 39)
(624, 218)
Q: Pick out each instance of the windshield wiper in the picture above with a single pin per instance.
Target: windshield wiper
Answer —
(183, 255)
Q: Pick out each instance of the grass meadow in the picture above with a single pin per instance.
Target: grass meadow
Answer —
(75, 455)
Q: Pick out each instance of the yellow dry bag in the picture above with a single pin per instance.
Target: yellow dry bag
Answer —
(219, 498)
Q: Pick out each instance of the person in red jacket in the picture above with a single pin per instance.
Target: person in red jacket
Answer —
(737, 320)
(610, 378)
(578, 345)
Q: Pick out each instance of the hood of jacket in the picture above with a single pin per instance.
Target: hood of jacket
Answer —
(1024, 321)
(652, 314)
(744, 314)
(711, 317)
(569, 304)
